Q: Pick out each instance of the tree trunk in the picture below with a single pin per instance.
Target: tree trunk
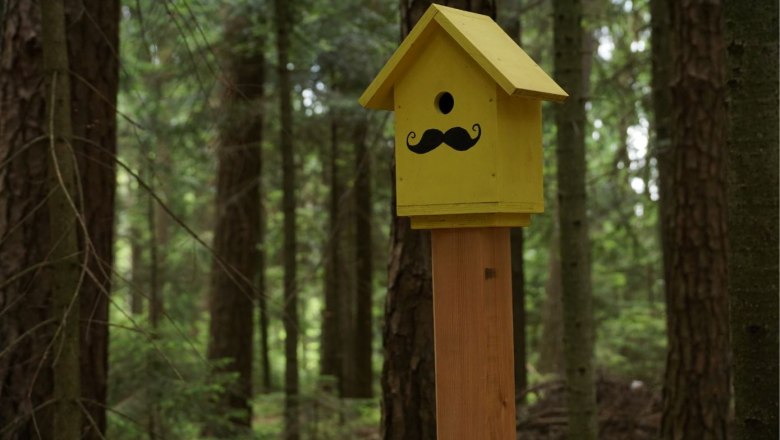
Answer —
(92, 101)
(408, 393)
(262, 292)
(283, 19)
(662, 110)
(696, 382)
(332, 355)
(65, 212)
(26, 328)
(752, 154)
(573, 221)
(518, 312)
(237, 221)
(93, 45)
(364, 267)
(551, 342)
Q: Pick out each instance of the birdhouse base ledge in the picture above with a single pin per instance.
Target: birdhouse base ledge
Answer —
(482, 220)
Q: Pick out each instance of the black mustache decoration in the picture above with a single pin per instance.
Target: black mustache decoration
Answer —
(456, 137)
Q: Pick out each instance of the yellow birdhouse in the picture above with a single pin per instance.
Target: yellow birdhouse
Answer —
(468, 123)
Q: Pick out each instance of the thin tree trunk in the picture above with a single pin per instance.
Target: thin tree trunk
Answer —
(237, 223)
(262, 292)
(662, 109)
(26, 328)
(331, 316)
(364, 267)
(573, 221)
(752, 154)
(283, 19)
(696, 383)
(551, 342)
(64, 206)
(518, 311)
(408, 393)
(93, 45)
(137, 278)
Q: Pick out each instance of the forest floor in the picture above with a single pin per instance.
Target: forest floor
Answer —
(625, 412)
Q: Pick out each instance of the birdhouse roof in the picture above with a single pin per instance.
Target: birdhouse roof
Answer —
(483, 40)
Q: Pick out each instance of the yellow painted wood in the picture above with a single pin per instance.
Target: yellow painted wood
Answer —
(445, 176)
(521, 163)
(482, 40)
(470, 221)
(497, 91)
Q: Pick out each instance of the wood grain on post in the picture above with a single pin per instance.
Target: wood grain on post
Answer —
(472, 299)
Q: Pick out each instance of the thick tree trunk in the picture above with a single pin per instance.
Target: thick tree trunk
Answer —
(696, 384)
(26, 328)
(752, 40)
(332, 355)
(65, 212)
(92, 88)
(573, 220)
(237, 221)
(364, 267)
(408, 393)
(93, 45)
(283, 19)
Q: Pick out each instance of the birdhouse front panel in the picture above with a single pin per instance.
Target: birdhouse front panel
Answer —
(446, 133)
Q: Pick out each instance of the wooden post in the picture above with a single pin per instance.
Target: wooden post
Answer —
(472, 302)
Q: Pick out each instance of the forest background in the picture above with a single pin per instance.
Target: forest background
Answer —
(246, 276)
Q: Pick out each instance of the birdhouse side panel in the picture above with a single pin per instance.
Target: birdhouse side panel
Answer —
(446, 133)
(520, 150)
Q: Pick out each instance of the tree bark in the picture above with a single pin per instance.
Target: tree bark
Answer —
(65, 212)
(26, 328)
(408, 393)
(696, 383)
(752, 155)
(283, 19)
(92, 91)
(238, 220)
(364, 267)
(573, 220)
(93, 50)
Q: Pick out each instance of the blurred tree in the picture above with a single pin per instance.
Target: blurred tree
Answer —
(364, 276)
(283, 18)
(235, 244)
(752, 157)
(696, 384)
(572, 71)
(332, 354)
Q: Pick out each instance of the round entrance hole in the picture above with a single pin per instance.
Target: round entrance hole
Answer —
(445, 102)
